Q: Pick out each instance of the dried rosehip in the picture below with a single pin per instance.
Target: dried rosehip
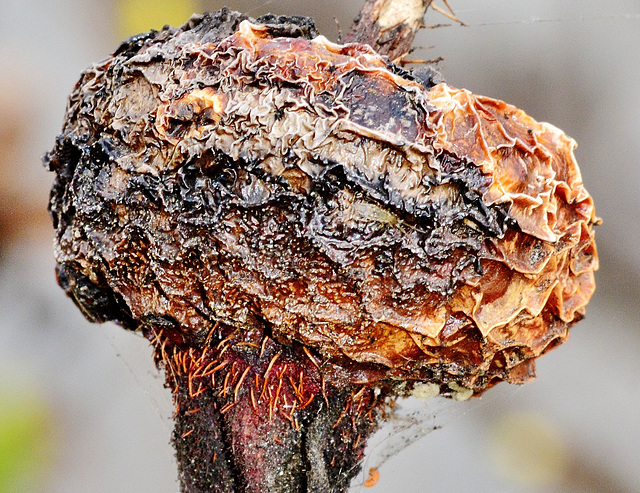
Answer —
(294, 223)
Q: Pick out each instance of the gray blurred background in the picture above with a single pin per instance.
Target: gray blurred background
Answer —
(82, 407)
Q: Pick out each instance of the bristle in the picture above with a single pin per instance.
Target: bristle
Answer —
(225, 384)
(324, 391)
(220, 366)
(225, 341)
(271, 405)
(278, 388)
(207, 341)
(209, 369)
(201, 389)
(265, 339)
(356, 442)
(266, 374)
(342, 415)
(240, 381)
(310, 356)
(190, 384)
(272, 382)
(202, 357)
(234, 374)
(226, 407)
(253, 400)
(295, 388)
(311, 398)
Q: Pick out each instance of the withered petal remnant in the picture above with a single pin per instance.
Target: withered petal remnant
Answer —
(290, 220)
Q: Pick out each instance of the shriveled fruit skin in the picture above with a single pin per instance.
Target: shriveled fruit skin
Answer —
(253, 175)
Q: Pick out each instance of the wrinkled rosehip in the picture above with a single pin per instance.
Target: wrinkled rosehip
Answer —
(236, 180)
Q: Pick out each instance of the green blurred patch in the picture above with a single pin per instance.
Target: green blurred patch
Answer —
(26, 441)
(137, 16)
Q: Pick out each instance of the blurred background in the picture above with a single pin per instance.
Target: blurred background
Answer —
(82, 407)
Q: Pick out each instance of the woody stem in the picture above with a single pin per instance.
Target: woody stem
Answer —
(248, 448)
(389, 26)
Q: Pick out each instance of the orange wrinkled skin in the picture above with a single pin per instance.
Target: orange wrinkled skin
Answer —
(290, 186)
(545, 270)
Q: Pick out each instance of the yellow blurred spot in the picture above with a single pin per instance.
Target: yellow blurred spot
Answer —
(138, 16)
(27, 445)
(527, 449)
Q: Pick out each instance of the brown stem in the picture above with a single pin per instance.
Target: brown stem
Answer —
(389, 26)
(246, 436)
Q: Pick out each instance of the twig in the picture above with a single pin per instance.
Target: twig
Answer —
(389, 26)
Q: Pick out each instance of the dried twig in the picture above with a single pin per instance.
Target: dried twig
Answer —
(389, 26)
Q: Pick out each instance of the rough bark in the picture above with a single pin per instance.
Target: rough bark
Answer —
(389, 26)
